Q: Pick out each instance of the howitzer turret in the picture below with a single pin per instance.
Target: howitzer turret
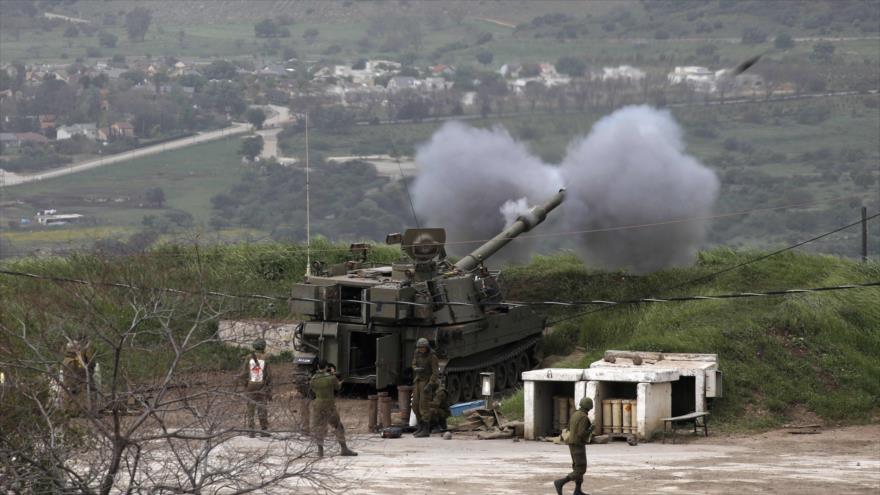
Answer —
(366, 319)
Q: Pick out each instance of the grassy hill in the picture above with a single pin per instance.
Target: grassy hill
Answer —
(649, 33)
(783, 357)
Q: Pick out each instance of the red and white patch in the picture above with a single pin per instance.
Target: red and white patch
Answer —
(256, 369)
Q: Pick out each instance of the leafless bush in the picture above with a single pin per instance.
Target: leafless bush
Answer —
(134, 411)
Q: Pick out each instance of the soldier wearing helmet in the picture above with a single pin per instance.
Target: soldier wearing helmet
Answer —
(324, 385)
(78, 378)
(580, 429)
(257, 382)
(426, 370)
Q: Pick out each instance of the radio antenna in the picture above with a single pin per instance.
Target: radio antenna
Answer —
(308, 208)
(408, 196)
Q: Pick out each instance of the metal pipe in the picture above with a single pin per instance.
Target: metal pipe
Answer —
(384, 411)
(372, 411)
(404, 401)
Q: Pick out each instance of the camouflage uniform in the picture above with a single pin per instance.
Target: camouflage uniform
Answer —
(78, 387)
(257, 382)
(439, 409)
(323, 411)
(580, 429)
(426, 369)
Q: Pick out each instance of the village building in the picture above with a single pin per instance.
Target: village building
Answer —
(89, 130)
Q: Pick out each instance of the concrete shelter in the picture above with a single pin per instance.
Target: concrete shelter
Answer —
(661, 385)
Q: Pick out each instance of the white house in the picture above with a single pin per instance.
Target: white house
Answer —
(623, 72)
(68, 131)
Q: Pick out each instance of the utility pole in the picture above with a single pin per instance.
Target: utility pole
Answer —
(864, 234)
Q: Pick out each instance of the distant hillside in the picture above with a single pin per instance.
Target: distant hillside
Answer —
(814, 356)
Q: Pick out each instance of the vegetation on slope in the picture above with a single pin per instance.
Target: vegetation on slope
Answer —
(781, 356)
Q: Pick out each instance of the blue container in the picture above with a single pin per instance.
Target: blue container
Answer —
(461, 407)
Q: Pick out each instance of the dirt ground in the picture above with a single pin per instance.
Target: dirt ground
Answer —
(836, 461)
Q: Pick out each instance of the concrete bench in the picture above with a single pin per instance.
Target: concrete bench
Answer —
(694, 417)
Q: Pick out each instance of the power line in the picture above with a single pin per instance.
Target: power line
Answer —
(774, 253)
(711, 275)
(593, 302)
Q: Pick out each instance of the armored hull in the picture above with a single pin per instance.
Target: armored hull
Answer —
(366, 320)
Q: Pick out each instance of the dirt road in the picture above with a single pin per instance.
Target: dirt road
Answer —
(838, 461)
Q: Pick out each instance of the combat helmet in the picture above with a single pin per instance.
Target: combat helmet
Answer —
(422, 342)
(259, 345)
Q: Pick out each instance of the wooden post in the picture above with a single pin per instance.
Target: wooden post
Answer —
(864, 234)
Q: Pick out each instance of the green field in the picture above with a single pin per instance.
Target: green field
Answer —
(189, 177)
(226, 30)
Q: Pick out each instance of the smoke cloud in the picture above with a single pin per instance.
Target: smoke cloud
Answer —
(630, 170)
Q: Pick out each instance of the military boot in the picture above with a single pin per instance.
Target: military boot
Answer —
(577, 489)
(423, 431)
(320, 450)
(559, 484)
(345, 451)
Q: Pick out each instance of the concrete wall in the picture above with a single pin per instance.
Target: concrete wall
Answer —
(278, 336)
(654, 402)
(538, 404)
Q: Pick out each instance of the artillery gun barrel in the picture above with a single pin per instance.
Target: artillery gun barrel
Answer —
(522, 224)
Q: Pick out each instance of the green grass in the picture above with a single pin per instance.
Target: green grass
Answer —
(189, 177)
(816, 351)
(227, 31)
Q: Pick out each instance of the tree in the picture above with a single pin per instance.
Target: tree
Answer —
(753, 36)
(485, 57)
(155, 423)
(155, 196)
(823, 52)
(268, 28)
(256, 117)
(251, 147)
(137, 22)
(220, 69)
(572, 66)
(107, 40)
(311, 35)
(71, 31)
(783, 41)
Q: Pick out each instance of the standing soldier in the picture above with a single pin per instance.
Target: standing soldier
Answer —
(78, 381)
(439, 409)
(579, 435)
(323, 412)
(257, 383)
(426, 369)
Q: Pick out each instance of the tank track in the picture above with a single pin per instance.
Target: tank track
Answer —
(463, 382)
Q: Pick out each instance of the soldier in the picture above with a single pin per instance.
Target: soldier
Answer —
(78, 380)
(257, 381)
(426, 369)
(323, 412)
(439, 409)
(579, 435)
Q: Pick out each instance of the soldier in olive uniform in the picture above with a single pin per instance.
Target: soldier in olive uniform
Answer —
(324, 385)
(426, 369)
(257, 383)
(439, 409)
(78, 380)
(579, 428)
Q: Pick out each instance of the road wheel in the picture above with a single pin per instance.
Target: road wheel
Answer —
(512, 373)
(500, 377)
(467, 386)
(453, 388)
(523, 362)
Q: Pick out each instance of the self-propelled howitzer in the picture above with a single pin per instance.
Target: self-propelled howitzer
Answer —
(366, 319)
